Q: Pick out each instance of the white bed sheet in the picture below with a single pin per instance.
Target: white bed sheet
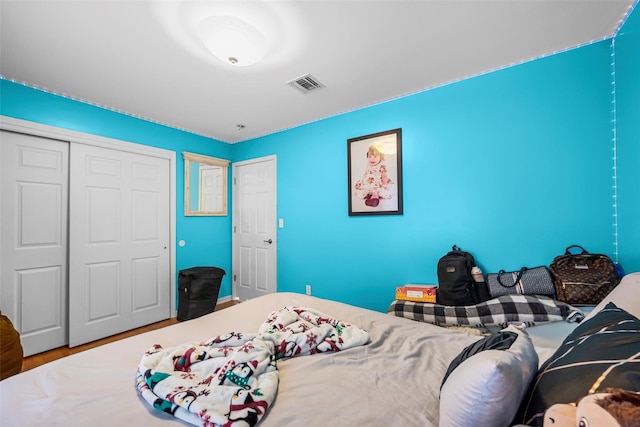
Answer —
(394, 380)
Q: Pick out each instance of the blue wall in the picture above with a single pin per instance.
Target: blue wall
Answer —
(208, 239)
(628, 141)
(513, 166)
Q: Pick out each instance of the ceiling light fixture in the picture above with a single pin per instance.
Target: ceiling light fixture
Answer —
(233, 40)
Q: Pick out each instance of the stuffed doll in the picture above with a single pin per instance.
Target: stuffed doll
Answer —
(613, 408)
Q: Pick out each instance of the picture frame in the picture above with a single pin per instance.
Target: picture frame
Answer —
(374, 164)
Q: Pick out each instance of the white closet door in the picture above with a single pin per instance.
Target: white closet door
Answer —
(33, 249)
(119, 269)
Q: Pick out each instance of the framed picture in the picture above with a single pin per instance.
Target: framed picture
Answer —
(375, 173)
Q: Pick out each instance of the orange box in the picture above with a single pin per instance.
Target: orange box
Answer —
(417, 293)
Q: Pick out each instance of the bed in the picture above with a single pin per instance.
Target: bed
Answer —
(393, 379)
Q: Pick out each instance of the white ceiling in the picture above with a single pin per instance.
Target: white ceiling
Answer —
(141, 58)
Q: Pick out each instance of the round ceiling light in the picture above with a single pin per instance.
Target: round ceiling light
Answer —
(233, 40)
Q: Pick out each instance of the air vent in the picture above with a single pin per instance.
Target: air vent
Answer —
(306, 83)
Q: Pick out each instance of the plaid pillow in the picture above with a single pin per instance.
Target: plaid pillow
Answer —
(502, 311)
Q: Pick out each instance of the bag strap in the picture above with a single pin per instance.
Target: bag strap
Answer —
(568, 250)
(518, 277)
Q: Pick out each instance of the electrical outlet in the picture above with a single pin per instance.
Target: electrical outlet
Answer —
(308, 291)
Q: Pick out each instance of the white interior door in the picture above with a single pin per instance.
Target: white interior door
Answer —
(119, 271)
(254, 228)
(33, 249)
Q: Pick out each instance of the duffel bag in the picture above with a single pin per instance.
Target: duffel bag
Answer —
(526, 281)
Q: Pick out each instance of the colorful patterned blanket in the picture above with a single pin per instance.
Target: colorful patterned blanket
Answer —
(232, 379)
(506, 309)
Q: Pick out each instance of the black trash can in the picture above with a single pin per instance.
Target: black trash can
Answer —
(198, 289)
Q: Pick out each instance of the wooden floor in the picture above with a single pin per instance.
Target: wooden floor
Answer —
(31, 362)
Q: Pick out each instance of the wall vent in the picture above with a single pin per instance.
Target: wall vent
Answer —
(305, 84)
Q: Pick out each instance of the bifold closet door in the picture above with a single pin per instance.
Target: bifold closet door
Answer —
(119, 268)
(33, 236)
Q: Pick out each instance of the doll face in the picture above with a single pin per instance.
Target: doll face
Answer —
(591, 414)
(588, 413)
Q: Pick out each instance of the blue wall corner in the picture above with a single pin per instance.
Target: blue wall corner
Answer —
(627, 93)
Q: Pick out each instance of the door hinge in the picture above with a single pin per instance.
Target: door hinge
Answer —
(234, 228)
(234, 277)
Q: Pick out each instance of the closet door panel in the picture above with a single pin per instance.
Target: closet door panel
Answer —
(119, 264)
(145, 270)
(40, 299)
(33, 249)
(102, 289)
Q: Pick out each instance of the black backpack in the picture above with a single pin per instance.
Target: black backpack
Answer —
(455, 282)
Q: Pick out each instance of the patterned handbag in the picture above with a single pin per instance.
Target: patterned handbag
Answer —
(527, 281)
(583, 278)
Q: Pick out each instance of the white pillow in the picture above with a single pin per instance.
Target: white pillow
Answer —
(624, 296)
(486, 389)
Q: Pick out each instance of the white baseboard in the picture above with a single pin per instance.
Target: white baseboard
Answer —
(224, 299)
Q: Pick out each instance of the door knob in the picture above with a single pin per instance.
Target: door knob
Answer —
(270, 241)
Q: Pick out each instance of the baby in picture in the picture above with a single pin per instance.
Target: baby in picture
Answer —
(375, 184)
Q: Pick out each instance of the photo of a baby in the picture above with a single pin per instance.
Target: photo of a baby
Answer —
(374, 174)
(375, 183)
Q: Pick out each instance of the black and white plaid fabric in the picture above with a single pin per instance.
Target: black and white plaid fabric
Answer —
(502, 311)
